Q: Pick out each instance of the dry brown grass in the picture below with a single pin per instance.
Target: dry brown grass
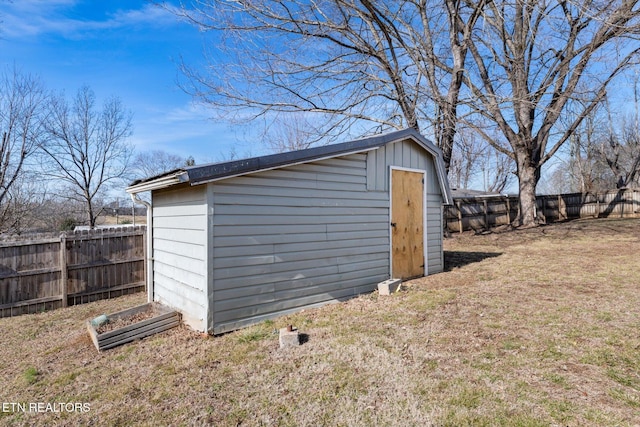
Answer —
(527, 328)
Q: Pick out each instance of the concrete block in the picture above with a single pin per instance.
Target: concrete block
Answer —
(289, 337)
(389, 286)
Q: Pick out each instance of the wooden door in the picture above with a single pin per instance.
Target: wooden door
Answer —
(407, 224)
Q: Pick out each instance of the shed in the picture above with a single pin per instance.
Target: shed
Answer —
(243, 241)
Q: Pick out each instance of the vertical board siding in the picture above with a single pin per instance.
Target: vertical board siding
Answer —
(179, 252)
(405, 154)
(435, 261)
(408, 154)
(294, 237)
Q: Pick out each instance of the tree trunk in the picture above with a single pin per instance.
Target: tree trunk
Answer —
(92, 219)
(528, 177)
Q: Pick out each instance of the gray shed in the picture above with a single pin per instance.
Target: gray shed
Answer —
(239, 242)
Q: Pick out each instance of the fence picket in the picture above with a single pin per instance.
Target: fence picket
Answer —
(483, 213)
(46, 273)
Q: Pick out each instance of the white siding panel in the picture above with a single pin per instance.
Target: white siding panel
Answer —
(175, 234)
(306, 234)
(180, 253)
(189, 250)
(179, 210)
(182, 222)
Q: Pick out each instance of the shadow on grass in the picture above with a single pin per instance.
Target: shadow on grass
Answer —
(457, 259)
(304, 338)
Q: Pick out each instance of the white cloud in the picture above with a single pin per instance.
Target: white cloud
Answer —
(37, 17)
(190, 112)
(186, 130)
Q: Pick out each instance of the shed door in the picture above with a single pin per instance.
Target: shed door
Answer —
(407, 224)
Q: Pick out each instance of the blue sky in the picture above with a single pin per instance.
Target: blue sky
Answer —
(129, 49)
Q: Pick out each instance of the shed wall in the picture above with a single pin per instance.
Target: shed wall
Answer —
(180, 251)
(296, 237)
(309, 234)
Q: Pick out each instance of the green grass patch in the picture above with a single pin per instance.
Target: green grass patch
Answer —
(30, 375)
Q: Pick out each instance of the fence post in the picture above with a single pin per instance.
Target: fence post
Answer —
(562, 213)
(63, 269)
(486, 214)
(459, 216)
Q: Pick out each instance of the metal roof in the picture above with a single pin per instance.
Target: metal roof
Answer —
(201, 174)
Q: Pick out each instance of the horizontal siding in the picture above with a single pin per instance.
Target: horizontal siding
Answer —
(294, 237)
(179, 252)
(311, 270)
(315, 276)
(312, 292)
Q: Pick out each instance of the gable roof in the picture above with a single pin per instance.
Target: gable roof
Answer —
(201, 174)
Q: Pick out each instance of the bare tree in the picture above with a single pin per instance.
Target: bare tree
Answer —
(290, 132)
(149, 163)
(423, 64)
(497, 170)
(360, 66)
(585, 170)
(620, 148)
(22, 111)
(621, 152)
(87, 149)
(533, 59)
(463, 167)
(475, 161)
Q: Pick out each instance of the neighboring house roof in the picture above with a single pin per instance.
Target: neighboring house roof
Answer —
(201, 174)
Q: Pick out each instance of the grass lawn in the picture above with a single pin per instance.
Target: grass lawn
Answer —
(536, 327)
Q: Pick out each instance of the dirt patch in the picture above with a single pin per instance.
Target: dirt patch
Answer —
(113, 324)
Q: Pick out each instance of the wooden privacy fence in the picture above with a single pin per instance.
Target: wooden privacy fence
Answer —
(485, 212)
(46, 272)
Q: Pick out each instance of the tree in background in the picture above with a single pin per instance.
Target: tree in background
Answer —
(150, 163)
(357, 65)
(22, 114)
(290, 132)
(532, 61)
(474, 160)
(87, 149)
(604, 151)
(621, 152)
(620, 149)
(585, 172)
(514, 66)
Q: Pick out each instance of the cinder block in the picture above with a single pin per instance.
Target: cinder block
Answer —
(289, 337)
(389, 286)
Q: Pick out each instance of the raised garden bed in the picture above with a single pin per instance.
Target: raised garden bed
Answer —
(132, 324)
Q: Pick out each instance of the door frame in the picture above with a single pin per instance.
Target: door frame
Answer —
(424, 217)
